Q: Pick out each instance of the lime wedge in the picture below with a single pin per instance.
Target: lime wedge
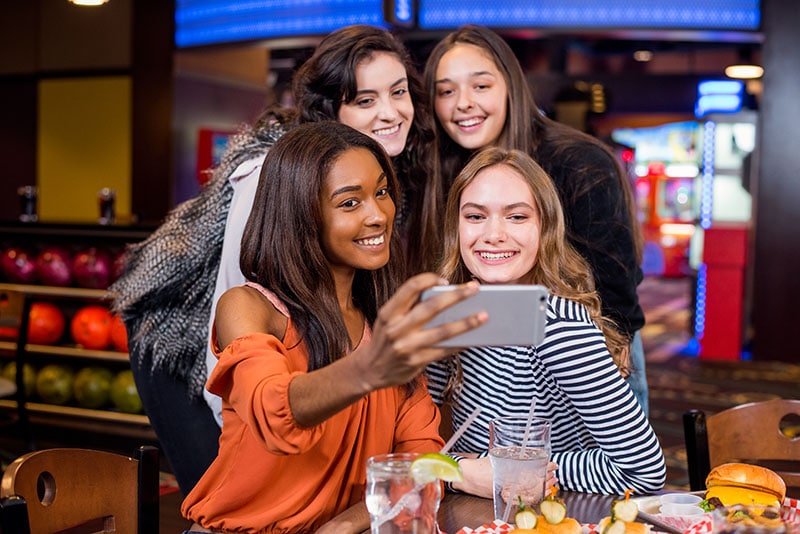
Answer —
(435, 466)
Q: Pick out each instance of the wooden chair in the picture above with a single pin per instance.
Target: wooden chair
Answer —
(748, 433)
(80, 490)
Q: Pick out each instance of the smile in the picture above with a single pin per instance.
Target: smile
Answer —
(372, 241)
(470, 122)
(388, 131)
(495, 256)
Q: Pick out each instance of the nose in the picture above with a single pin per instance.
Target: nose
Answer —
(495, 230)
(376, 212)
(387, 111)
(464, 101)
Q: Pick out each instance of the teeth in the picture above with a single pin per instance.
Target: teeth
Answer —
(388, 131)
(495, 255)
(373, 241)
(469, 122)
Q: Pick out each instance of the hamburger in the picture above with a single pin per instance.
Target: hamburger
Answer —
(736, 483)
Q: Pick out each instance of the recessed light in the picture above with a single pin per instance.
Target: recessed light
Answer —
(744, 72)
(88, 2)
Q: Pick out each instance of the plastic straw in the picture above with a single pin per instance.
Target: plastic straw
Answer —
(410, 494)
(525, 435)
(460, 430)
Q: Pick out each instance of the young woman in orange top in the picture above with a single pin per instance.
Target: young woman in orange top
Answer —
(319, 365)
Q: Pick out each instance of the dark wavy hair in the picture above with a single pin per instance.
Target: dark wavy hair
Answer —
(281, 247)
(328, 79)
(526, 128)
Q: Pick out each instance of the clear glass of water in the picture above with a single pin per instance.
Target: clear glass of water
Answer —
(396, 504)
(519, 453)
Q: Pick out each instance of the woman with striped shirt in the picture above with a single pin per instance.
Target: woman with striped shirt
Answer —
(504, 225)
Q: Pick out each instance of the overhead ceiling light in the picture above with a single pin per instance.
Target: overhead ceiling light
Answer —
(88, 2)
(643, 56)
(745, 68)
(744, 72)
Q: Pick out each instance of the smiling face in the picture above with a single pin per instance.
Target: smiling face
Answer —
(357, 213)
(382, 108)
(471, 96)
(499, 227)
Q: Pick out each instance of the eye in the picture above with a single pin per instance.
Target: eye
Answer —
(349, 203)
(382, 192)
(473, 217)
(400, 92)
(444, 92)
(518, 217)
(364, 102)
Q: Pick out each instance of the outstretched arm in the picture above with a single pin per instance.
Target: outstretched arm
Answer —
(399, 350)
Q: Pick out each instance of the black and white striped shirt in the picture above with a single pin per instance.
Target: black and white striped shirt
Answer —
(601, 439)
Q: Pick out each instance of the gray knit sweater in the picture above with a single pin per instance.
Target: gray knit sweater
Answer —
(164, 294)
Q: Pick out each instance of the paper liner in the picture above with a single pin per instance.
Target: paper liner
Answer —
(790, 512)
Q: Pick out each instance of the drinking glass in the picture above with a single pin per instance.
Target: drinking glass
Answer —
(396, 504)
(28, 200)
(519, 450)
(105, 203)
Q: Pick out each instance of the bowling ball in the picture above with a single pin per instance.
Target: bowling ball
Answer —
(54, 383)
(54, 267)
(91, 327)
(119, 336)
(45, 323)
(91, 268)
(124, 394)
(92, 387)
(28, 376)
(18, 265)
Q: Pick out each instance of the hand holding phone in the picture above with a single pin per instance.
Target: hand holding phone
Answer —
(517, 315)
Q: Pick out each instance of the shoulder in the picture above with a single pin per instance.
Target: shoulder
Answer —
(563, 148)
(560, 309)
(246, 309)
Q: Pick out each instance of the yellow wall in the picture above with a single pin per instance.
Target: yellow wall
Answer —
(84, 145)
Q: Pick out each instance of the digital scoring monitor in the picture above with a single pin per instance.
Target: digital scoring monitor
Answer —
(741, 15)
(208, 22)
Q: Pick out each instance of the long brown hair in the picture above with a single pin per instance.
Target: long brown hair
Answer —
(281, 247)
(526, 127)
(558, 266)
(328, 79)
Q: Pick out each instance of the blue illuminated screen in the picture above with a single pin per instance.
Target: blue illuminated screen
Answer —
(617, 14)
(204, 22)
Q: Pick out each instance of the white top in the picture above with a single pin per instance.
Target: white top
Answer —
(244, 181)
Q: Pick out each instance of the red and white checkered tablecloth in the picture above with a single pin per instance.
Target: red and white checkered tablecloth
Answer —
(790, 512)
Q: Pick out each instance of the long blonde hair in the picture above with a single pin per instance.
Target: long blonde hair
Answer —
(559, 267)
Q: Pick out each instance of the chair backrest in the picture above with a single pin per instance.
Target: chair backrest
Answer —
(71, 488)
(749, 433)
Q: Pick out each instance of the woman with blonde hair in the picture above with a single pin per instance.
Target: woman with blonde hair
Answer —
(504, 225)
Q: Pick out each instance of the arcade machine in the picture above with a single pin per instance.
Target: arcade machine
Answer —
(719, 247)
(667, 167)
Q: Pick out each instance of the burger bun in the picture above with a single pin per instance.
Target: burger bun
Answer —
(738, 483)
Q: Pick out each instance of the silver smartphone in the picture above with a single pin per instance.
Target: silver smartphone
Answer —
(517, 315)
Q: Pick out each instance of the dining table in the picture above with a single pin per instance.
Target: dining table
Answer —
(459, 510)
